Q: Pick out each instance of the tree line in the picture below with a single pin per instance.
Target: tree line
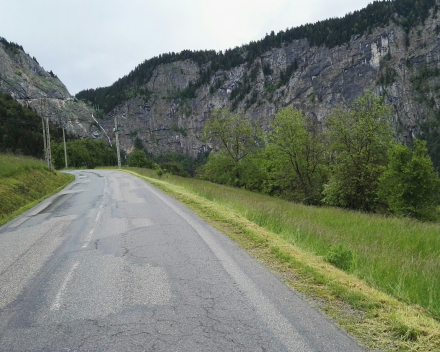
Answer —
(11, 46)
(174, 163)
(21, 133)
(350, 161)
(85, 154)
(331, 32)
(21, 130)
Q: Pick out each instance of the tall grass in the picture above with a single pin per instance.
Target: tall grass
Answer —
(398, 256)
(10, 164)
(25, 181)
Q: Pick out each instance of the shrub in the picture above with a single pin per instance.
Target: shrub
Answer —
(174, 168)
(409, 186)
(137, 159)
(341, 257)
(159, 171)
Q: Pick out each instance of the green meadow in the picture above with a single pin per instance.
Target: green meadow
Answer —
(398, 256)
(25, 181)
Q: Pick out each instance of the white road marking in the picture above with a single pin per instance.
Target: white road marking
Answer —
(89, 238)
(57, 302)
(105, 186)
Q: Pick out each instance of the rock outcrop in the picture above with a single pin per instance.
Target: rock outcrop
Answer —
(26, 81)
(323, 79)
(402, 67)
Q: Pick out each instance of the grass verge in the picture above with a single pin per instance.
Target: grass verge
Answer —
(24, 182)
(288, 245)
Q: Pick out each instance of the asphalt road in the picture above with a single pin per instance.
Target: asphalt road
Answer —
(112, 264)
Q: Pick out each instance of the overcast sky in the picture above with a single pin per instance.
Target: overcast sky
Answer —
(92, 43)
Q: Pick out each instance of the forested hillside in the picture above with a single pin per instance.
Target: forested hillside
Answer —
(329, 33)
(350, 162)
(390, 48)
(26, 81)
(21, 129)
(21, 133)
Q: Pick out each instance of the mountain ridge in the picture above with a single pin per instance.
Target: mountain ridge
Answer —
(165, 102)
(328, 33)
(22, 77)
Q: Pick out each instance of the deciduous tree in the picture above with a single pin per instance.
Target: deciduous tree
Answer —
(238, 139)
(299, 153)
(361, 138)
(410, 186)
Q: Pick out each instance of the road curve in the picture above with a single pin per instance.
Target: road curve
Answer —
(112, 264)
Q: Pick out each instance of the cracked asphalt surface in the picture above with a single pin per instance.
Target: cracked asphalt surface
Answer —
(112, 264)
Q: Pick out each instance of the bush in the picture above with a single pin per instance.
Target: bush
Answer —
(174, 168)
(341, 257)
(137, 159)
(409, 186)
(84, 153)
(159, 171)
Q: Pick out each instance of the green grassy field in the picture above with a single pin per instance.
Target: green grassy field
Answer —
(399, 257)
(24, 182)
(12, 164)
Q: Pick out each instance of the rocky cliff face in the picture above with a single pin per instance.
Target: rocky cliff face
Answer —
(401, 67)
(23, 78)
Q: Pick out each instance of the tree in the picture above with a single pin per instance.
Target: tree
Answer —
(235, 133)
(188, 165)
(238, 139)
(173, 167)
(137, 159)
(298, 151)
(409, 186)
(20, 129)
(361, 138)
(84, 153)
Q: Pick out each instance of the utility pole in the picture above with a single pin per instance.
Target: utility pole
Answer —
(44, 130)
(117, 143)
(65, 150)
(49, 154)
(44, 139)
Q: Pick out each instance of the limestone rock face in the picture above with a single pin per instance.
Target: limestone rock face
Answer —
(325, 78)
(403, 68)
(27, 82)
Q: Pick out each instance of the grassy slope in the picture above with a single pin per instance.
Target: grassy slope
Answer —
(25, 182)
(390, 256)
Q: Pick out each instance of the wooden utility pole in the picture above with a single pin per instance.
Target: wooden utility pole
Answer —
(44, 139)
(117, 143)
(65, 150)
(44, 130)
(49, 154)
